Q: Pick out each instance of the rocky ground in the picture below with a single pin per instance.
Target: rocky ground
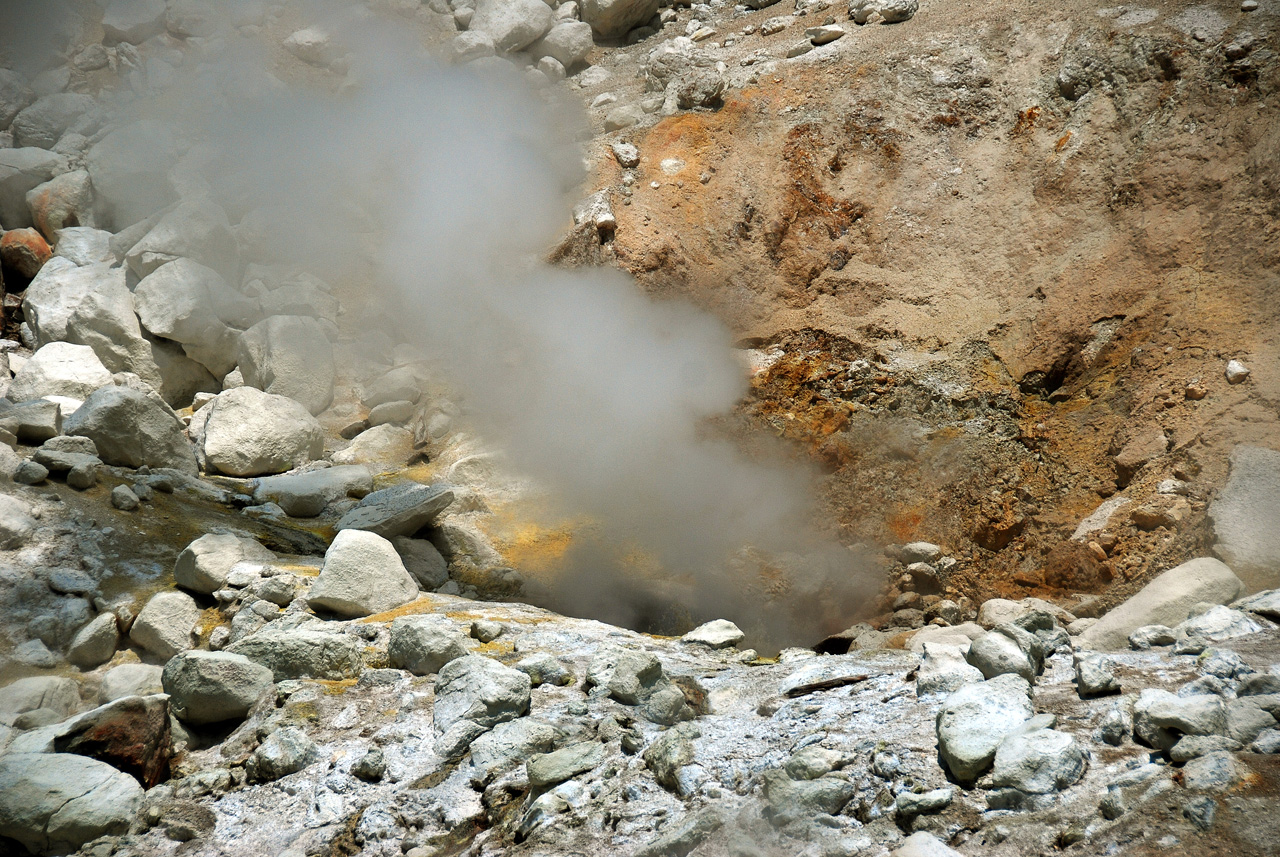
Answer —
(1002, 276)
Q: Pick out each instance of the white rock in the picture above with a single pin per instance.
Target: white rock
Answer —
(1038, 762)
(95, 643)
(84, 245)
(130, 680)
(1246, 517)
(568, 42)
(479, 690)
(129, 168)
(132, 21)
(17, 525)
(313, 45)
(513, 24)
(131, 428)
(304, 495)
(1236, 372)
(716, 634)
(922, 844)
(195, 230)
(165, 623)
(1166, 600)
(191, 304)
(246, 432)
(362, 575)
(211, 687)
(204, 564)
(21, 170)
(56, 693)
(386, 446)
(975, 719)
(613, 19)
(289, 355)
(424, 644)
(471, 45)
(44, 122)
(944, 669)
(53, 803)
(1221, 623)
(59, 369)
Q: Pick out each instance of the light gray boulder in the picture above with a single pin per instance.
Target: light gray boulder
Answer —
(479, 690)
(362, 575)
(181, 378)
(1095, 675)
(211, 687)
(613, 19)
(1166, 600)
(1213, 772)
(59, 369)
(471, 45)
(165, 623)
(716, 634)
(289, 355)
(1160, 718)
(386, 446)
(246, 432)
(513, 24)
(20, 171)
(285, 751)
(204, 564)
(424, 644)
(400, 510)
(132, 428)
(31, 422)
(195, 230)
(130, 680)
(549, 769)
(95, 643)
(1151, 635)
(17, 523)
(944, 669)
(83, 245)
(1246, 517)
(423, 562)
(52, 803)
(1220, 623)
(997, 653)
(191, 304)
(923, 844)
(1265, 603)
(90, 305)
(129, 168)
(398, 385)
(42, 123)
(54, 693)
(304, 652)
(568, 42)
(1038, 762)
(304, 495)
(507, 745)
(975, 719)
(15, 94)
(132, 21)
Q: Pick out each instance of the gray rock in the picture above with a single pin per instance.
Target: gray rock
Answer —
(362, 575)
(42, 123)
(195, 230)
(31, 422)
(285, 751)
(370, 767)
(508, 744)
(613, 19)
(65, 200)
(634, 677)
(672, 751)
(17, 525)
(944, 669)
(130, 171)
(1038, 762)
(15, 94)
(424, 644)
(1220, 623)
(132, 21)
(549, 769)
(191, 304)
(1267, 742)
(165, 623)
(59, 369)
(400, 510)
(1160, 717)
(20, 171)
(54, 693)
(1214, 772)
(471, 45)
(304, 495)
(204, 564)
(246, 432)
(1095, 675)
(1246, 720)
(716, 634)
(487, 630)
(1257, 685)
(123, 498)
(52, 803)
(910, 804)
(1263, 603)
(479, 690)
(922, 844)
(789, 800)
(684, 836)
(423, 562)
(1194, 746)
(1166, 600)
(974, 720)
(401, 384)
(1152, 635)
(95, 643)
(513, 24)
(132, 428)
(568, 42)
(289, 355)
(543, 668)
(130, 680)
(997, 653)
(298, 653)
(211, 687)
(1246, 517)
(395, 413)
(386, 446)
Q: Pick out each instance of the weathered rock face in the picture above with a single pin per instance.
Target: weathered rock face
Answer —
(130, 734)
(95, 643)
(60, 695)
(191, 304)
(64, 201)
(195, 230)
(974, 720)
(44, 122)
(1039, 762)
(308, 652)
(289, 355)
(21, 170)
(54, 803)
(479, 690)
(246, 432)
(210, 687)
(401, 510)
(362, 575)
(1165, 601)
(305, 495)
(424, 644)
(1246, 517)
(132, 428)
(59, 369)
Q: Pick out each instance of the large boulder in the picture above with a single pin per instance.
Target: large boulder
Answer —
(95, 643)
(129, 168)
(204, 564)
(289, 355)
(423, 561)
(20, 171)
(387, 446)
(192, 304)
(304, 495)
(285, 751)
(31, 422)
(210, 687)
(568, 42)
(132, 428)
(246, 432)
(613, 19)
(15, 94)
(43, 123)
(1038, 762)
(52, 803)
(1166, 600)
(65, 200)
(165, 623)
(424, 644)
(132, 21)
(130, 680)
(400, 510)
(83, 245)
(362, 575)
(481, 691)
(513, 24)
(17, 523)
(59, 369)
(90, 305)
(194, 230)
(975, 719)
(58, 694)
(295, 653)
(130, 734)
(1246, 517)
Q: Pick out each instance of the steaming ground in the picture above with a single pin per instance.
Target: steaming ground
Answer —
(438, 190)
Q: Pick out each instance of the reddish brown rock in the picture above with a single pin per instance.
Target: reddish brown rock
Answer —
(24, 251)
(66, 200)
(130, 734)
